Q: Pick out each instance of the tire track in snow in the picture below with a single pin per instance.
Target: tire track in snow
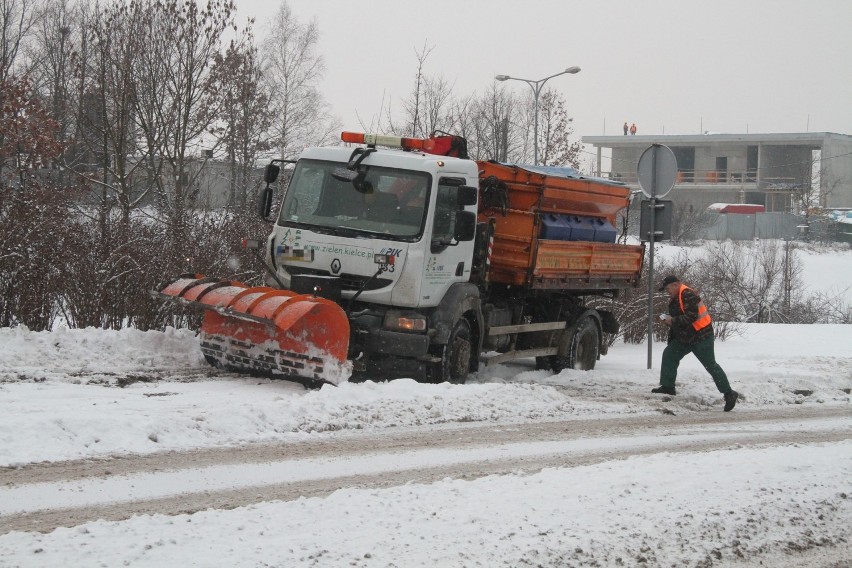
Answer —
(468, 453)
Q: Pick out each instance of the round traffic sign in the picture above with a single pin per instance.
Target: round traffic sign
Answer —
(657, 170)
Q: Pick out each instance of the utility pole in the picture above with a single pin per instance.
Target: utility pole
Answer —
(788, 275)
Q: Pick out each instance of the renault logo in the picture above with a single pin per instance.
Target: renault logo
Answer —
(335, 266)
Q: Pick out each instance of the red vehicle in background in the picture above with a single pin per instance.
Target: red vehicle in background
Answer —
(739, 208)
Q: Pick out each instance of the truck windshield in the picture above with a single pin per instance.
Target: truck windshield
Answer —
(393, 204)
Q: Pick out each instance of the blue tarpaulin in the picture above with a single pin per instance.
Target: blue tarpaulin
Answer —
(565, 172)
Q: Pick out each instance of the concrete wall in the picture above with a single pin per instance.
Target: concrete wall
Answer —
(792, 164)
(705, 159)
(624, 162)
(836, 172)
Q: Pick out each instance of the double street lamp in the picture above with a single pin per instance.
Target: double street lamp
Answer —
(536, 88)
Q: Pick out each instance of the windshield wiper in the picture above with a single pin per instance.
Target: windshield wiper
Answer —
(337, 231)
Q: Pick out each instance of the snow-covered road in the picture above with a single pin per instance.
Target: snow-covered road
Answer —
(174, 464)
(43, 498)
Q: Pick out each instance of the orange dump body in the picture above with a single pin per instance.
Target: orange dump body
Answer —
(539, 193)
(264, 330)
(520, 257)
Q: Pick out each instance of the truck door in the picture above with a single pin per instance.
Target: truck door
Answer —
(446, 260)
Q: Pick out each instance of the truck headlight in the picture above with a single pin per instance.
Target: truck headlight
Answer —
(398, 321)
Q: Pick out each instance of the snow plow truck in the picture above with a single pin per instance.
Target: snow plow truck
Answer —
(400, 257)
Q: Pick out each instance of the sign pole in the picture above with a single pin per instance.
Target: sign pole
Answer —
(651, 253)
(656, 171)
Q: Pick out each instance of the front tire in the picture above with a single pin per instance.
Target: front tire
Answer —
(456, 356)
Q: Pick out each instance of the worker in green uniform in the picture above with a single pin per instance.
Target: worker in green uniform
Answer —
(690, 331)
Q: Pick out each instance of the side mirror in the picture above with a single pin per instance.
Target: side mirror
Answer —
(467, 195)
(344, 175)
(271, 173)
(264, 205)
(465, 225)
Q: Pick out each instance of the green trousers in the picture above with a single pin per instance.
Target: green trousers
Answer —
(703, 350)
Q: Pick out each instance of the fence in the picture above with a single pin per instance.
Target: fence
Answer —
(757, 226)
(729, 177)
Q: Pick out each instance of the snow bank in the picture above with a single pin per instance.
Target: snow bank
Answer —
(59, 395)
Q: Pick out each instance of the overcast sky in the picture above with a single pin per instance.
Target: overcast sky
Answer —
(673, 67)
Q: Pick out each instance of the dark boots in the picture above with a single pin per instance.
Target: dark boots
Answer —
(730, 397)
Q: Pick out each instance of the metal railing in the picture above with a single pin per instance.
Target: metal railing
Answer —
(730, 177)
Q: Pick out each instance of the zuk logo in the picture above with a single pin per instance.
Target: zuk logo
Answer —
(335, 266)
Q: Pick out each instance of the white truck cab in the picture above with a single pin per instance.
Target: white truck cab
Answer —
(402, 212)
(389, 235)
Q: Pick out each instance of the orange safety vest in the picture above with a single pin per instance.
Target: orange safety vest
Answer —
(703, 315)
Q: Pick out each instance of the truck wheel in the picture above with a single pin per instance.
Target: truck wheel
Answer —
(455, 356)
(583, 351)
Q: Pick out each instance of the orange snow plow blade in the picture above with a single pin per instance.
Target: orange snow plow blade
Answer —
(263, 330)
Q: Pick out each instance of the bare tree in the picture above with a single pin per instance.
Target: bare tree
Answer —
(18, 19)
(812, 191)
(493, 135)
(462, 114)
(437, 101)
(750, 282)
(53, 42)
(174, 105)
(823, 307)
(429, 106)
(555, 131)
(108, 155)
(807, 194)
(688, 223)
(412, 106)
(293, 69)
(247, 118)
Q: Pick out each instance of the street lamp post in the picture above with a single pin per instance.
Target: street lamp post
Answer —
(536, 88)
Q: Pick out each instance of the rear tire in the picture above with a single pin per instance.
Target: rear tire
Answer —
(456, 356)
(583, 351)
